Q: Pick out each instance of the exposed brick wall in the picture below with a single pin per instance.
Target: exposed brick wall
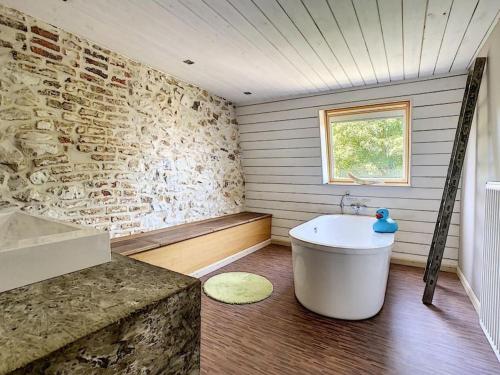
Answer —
(89, 136)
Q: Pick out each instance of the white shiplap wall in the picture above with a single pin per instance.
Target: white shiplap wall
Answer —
(282, 164)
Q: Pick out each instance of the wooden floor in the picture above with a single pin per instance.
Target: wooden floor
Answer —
(279, 336)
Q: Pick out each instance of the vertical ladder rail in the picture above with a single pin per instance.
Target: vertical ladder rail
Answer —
(452, 179)
(446, 186)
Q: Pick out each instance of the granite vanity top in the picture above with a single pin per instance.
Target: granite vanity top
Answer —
(38, 319)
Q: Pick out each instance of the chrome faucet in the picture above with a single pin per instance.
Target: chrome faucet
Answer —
(342, 203)
(356, 206)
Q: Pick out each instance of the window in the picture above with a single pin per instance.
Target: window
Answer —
(367, 144)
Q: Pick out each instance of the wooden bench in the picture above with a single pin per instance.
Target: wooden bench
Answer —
(200, 247)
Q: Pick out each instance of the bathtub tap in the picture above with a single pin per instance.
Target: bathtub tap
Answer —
(356, 206)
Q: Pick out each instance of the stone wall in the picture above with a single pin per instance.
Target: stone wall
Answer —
(92, 137)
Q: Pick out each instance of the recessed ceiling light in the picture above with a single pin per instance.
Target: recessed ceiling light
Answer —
(189, 62)
(247, 93)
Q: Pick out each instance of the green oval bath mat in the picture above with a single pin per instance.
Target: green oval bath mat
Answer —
(238, 287)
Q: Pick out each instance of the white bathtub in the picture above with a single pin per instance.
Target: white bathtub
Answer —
(340, 266)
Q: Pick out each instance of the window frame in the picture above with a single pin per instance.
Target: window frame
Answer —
(327, 146)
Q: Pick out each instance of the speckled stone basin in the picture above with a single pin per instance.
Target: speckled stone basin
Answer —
(121, 317)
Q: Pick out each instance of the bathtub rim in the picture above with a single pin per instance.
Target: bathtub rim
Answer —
(354, 250)
(341, 250)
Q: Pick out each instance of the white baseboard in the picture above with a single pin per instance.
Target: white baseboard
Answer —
(472, 296)
(230, 259)
(421, 261)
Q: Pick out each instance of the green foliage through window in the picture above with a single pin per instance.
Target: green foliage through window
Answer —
(372, 148)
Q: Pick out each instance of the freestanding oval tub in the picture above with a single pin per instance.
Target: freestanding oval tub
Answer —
(340, 266)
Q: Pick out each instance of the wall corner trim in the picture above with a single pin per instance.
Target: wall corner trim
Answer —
(472, 296)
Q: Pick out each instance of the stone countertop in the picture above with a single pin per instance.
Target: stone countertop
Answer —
(38, 319)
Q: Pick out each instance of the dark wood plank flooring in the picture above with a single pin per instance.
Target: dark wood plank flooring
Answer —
(279, 336)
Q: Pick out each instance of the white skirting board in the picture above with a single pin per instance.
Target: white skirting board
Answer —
(472, 296)
(447, 265)
(230, 259)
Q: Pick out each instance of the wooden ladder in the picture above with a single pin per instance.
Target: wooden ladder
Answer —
(452, 179)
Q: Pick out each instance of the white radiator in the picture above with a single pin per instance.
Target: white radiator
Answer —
(490, 289)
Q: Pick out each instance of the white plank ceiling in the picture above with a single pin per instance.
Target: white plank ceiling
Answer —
(277, 48)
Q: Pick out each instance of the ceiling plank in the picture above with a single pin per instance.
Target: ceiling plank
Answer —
(413, 31)
(438, 12)
(345, 15)
(226, 46)
(460, 15)
(391, 20)
(275, 13)
(272, 73)
(159, 35)
(483, 19)
(300, 16)
(328, 26)
(265, 27)
(368, 16)
(160, 49)
(281, 65)
(164, 27)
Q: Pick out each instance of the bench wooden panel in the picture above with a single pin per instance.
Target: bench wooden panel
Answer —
(190, 247)
(196, 253)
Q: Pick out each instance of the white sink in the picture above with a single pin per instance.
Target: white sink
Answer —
(33, 248)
